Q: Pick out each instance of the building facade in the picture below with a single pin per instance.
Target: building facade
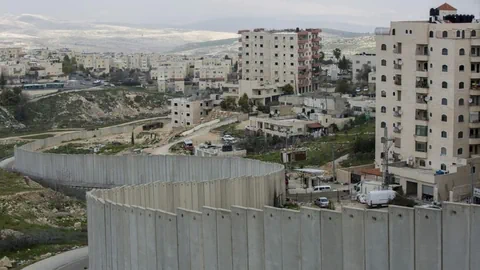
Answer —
(187, 113)
(281, 57)
(428, 98)
(359, 61)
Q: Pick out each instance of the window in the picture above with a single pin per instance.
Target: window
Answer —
(421, 147)
(444, 134)
(443, 167)
(383, 125)
(444, 118)
(461, 85)
(473, 169)
(421, 163)
(444, 51)
(444, 68)
(461, 119)
(444, 85)
(460, 151)
(461, 102)
(384, 62)
(421, 131)
(459, 34)
(460, 135)
(444, 101)
(410, 32)
(384, 47)
(393, 32)
(462, 51)
(445, 34)
(474, 33)
(261, 45)
(188, 114)
(384, 78)
(176, 113)
(461, 68)
(188, 105)
(443, 151)
(431, 34)
(384, 94)
(383, 109)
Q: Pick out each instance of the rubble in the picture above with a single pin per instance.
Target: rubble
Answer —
(6, 262)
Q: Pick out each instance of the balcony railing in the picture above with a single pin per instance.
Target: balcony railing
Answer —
(421, 84)
(397, 50)
(397, 67)
(302, 41)
(398, 129)
(397, 113)
(398, 82)
(421, 117)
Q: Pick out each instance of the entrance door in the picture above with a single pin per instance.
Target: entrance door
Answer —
(412, 189)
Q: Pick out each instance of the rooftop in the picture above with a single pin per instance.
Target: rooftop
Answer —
(447, 6)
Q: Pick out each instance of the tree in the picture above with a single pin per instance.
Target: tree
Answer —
(244, 104)
(343, 87)
(344, 64)
(337, 53)
(362, 76)
(287, 89)
(228, 104)
(3, 81)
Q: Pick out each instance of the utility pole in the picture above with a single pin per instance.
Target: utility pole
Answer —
(472, 176)
(386, 147)
(334, 171)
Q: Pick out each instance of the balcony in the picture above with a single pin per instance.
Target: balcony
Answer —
(302, 76)
(315, 48)
(397, 80)
(317, 39)
(397, 67)
(397, 129)
(316, 64)
(421, 83)
(302, 59)
(421, 115)
(302, 67)
(474, 107)
(475, 75)
(302, 41)
(474, 139)
(421, 106)
(475, 58)
(302, 50)
(397, 50)
(316, 56)
(398, 113)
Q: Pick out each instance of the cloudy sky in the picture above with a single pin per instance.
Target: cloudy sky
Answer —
(184, 12)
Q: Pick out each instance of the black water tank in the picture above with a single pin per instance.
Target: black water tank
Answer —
(432, 12)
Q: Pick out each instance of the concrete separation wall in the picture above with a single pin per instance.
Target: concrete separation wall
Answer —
(248, 238)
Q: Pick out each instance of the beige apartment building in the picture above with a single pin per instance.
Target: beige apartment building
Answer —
(361, 59)
(211, 72)
(428, 98)
(281, 57)
(10, 53)
(187, 113)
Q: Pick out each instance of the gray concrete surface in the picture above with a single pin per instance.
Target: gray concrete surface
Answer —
(72, 260)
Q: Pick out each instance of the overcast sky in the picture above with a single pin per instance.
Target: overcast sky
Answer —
(178, 12)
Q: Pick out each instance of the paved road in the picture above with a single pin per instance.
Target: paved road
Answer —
(71, 260)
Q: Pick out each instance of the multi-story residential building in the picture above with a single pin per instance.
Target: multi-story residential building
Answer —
(13, 69)
(212, 72)
(281, 57)
(10, 53)
(259, 93)
(359, 61)
(187, 112)
(283, 126)
(428, 98)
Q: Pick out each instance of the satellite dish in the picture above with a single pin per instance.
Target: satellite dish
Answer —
(426, 99)
(400, 62)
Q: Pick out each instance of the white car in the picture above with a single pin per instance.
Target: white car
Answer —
(322, 202)
(228, 138)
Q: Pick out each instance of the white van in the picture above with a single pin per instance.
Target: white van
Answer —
(321, 188)
(380, 197)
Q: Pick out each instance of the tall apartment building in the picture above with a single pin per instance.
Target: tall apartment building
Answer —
(428, 98)
(361, 59)
(280, 57)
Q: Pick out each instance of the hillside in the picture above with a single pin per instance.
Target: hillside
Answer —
(87, 109)
(33, 31)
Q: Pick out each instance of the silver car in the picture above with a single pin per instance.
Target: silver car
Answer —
(322, 202)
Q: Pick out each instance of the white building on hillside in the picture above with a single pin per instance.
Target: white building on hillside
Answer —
(358, 62)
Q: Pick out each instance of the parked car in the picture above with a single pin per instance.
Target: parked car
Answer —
(228, 138)
(321, 188)
(322, 202)
(380, 197)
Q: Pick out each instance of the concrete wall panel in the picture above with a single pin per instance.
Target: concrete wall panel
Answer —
(224, 239)
(183, 230)
(376, 240)
(239, 238)
(332, 242)
(256, 239)
(353, 230)
(150, 234)
(474, 236)
(196, 240)
(291, 237)
(273, 238)
(428, 239)
(133, 239)
(401, 238)
(209, 219)
(456, 236)
(310, 239)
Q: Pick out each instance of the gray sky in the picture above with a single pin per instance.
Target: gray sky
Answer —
(178, 12)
